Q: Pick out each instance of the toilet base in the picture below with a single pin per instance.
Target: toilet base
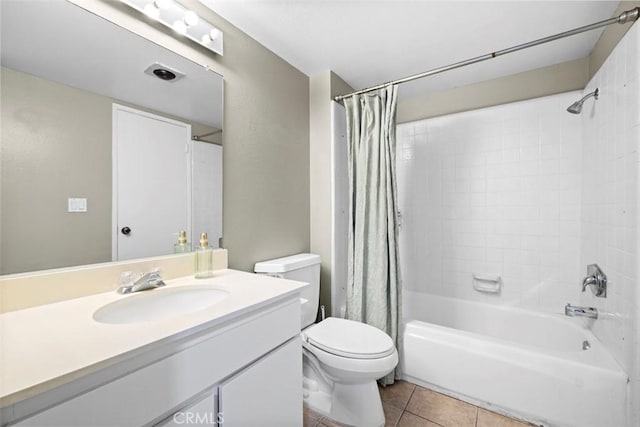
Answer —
(351, 404)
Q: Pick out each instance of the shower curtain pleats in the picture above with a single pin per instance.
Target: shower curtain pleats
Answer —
(373, 287)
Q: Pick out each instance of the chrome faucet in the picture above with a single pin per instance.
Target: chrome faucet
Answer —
(574, 310)
(148, 281)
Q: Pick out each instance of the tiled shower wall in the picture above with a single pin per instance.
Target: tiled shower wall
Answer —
(533, 194)
(611, 128)
(494, 192)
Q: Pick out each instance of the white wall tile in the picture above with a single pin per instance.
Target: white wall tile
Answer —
(609, 231)
(507, 189)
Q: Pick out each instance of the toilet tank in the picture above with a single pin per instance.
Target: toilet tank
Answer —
(303, 268)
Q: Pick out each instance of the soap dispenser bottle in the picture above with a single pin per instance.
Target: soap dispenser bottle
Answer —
(182, 246)
(204, 258)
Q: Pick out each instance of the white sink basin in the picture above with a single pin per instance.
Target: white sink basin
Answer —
(159, 304)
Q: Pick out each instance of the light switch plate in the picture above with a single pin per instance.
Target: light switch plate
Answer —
(77, 205)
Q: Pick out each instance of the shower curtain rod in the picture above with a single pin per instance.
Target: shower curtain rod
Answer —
(199, 137)
(623, 18)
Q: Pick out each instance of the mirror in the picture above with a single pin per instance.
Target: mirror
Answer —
(63, 71)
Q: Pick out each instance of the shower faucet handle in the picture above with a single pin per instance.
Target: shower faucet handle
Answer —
(597, 280)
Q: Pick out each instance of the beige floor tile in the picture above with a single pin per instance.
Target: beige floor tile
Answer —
(310, 418)
(313, 419)
(308, 422)
(425, 408)
(410, 420)
(328, 422)
(391, 414)
(491, 419)
(442, 409)
(397, 394)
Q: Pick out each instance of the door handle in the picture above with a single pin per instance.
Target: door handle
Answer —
(126, 231)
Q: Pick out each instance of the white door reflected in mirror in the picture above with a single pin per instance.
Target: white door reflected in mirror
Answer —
(151, 183)
(163, 183)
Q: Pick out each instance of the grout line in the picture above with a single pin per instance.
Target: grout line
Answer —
(410, 396)
(421, 417)
(427, 419)
(397, 422)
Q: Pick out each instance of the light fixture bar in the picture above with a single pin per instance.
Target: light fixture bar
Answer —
(184, 22)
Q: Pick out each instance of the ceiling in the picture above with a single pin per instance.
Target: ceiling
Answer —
(371, 42)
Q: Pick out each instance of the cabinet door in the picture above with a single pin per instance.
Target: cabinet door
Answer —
(201, 413)
(267, 393)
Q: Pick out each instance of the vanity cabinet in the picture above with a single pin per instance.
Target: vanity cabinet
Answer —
(262, 394)
(247, 371)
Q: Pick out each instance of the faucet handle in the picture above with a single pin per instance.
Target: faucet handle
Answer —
(597, 280)
(154, 277)
(127, 278)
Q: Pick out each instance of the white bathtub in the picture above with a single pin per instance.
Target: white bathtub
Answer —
(518, 362)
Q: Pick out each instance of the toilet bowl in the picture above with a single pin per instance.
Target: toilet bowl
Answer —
(342, 359)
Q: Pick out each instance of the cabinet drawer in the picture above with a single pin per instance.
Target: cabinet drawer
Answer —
(201, 413)
(154, 392)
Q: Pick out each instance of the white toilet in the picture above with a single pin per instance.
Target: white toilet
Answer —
(342, 359)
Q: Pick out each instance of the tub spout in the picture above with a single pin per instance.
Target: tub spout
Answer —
(573, 310)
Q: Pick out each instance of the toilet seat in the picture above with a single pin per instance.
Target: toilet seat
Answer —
(349, 339)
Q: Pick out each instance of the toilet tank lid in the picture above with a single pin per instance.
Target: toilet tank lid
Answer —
(289, 263)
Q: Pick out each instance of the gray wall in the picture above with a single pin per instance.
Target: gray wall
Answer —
(320, 178)
(564, 77)
(45, 128)
(266, 136)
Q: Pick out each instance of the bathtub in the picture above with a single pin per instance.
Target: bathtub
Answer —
(518, 362)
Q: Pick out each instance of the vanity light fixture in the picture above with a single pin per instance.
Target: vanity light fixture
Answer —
(182, 20)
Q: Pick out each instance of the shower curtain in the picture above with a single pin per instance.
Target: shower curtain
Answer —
(373, 287)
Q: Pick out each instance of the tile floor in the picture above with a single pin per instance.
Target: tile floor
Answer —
(408, 405)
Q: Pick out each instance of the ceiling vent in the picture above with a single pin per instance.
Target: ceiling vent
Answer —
(163, 72)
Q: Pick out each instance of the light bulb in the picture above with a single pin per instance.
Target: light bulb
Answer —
(151, 11)
(162, 4)
(206, 39)
(214, 33)
(180, 27)
(190, 18)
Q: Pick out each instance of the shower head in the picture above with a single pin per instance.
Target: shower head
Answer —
(576, 107)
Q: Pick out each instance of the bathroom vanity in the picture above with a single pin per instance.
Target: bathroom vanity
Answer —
(236, 361)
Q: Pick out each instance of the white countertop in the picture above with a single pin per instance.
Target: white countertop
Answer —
(49, 345)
